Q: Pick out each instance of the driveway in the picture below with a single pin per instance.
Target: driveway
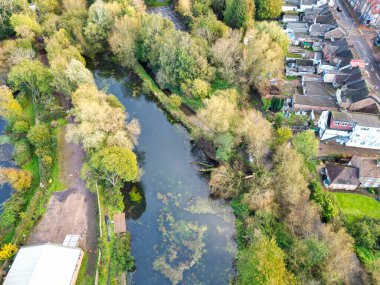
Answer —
(168, 12)
(72, 211)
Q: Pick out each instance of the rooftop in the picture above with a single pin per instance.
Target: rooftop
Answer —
(368, 167)
(44, 265)
(342, 174)
(362, 119)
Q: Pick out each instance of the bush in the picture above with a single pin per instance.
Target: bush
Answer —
(47, 161)
(366, 233)
(39, 136)
(327, 201)
(197, 88)
(55, 113)
(21, 153)
(20, 128)
(175, 100)
(121, 258)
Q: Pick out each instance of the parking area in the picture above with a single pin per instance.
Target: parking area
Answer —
(168, 12)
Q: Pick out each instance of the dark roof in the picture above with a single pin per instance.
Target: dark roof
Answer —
(362, 119)
(304, 62)
(309, 2)
(341, 174)
(368, 167)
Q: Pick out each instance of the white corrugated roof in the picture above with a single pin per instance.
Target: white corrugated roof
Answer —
(44, 265)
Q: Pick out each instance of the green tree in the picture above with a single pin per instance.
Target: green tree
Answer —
(25, 26)
(263, 263)
(18, 179)
(123, 40)
(224, 144)
(101, 17)
(7, 8)
(327, 201)
(366, 233)
(238, 13)
(209, 28)
(31, 77)
(306, 144)
(268, 9)
(115, 165)
(39, 136)
(283, 135)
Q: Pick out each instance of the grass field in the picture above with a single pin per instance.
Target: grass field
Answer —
(355, 206)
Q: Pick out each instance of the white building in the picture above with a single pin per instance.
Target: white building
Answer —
(47, 264)
(351, 129)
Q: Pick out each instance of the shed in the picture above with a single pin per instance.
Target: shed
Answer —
(119, 223)
(45, 265)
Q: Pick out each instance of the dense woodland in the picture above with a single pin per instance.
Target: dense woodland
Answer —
(289, 231)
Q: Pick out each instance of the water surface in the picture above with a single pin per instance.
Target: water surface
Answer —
(5, 161)
(179, 235)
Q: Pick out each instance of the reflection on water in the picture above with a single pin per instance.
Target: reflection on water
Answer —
(179, 235)
(5, 161)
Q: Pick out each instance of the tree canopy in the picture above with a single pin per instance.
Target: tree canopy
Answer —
(268, 9)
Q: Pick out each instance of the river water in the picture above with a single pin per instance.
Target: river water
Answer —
(178, 234)
(5, 161)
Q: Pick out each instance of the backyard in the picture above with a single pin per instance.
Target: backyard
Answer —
(355, 206)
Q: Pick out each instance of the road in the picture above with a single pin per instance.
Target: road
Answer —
(360, 38)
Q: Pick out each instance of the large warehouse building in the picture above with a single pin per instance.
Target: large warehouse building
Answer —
(45, 265)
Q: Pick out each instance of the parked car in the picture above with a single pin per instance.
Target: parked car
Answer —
(377, 40)
(339, 9)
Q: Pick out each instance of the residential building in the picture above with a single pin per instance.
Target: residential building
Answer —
(45, 264)
(369, 170)
(341, 177)
(367, 11)
(351, 129)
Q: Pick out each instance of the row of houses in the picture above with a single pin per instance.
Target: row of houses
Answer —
(367, 11)
(334, 83)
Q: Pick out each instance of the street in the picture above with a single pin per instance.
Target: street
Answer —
(359, 39)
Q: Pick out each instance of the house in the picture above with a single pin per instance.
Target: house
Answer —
(352, 129)
(367, 11)
(290, 18)
(369, 170)
(341, 177)
(290, 6)
(45, 264)
(320, 30)
(299, 67)
(307, 4)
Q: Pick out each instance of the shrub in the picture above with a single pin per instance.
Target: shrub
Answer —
(175, 100)
(121, 259)
(327, 201)
(20, 128)
(366, 233)
(197, 88)
(21, 153)
(39, 136)
(7, 251)
(47, 161)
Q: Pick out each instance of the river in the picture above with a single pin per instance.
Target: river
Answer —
(178, 234)
(5, 161)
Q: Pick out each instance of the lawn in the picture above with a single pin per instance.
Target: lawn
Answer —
(355, 206)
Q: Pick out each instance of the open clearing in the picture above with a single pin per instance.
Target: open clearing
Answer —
(356, 206)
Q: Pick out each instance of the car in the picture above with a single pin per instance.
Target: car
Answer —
(339, 9)
(377, 199)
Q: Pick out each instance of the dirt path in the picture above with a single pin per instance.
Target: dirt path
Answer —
(72, 211)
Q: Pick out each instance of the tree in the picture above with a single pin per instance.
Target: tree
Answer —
(227, 55)
(7, 251)
(262, 262)
(72, 5)
(238, 13)
(366, 233)
(197, 88)
(220, 113)
(7, 8)
(39, 136)
(101, 17)
(9, 106)
(25, 26)
(306, 144)
(31, 77)
(181, 58)
(283, 135)
(18, 179)
(100, 123)
(209, 28)
(268, 9)
(263, 59)
(47, 6)
(256, 131)
(123, 40)
(327, 201)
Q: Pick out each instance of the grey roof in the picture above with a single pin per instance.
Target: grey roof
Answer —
(368, 167)
(320, 28)
(362, 119)
(304, 62)
(308, 2)
(336, 33)
(316, 101)
(313, 88)
(342, 174)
